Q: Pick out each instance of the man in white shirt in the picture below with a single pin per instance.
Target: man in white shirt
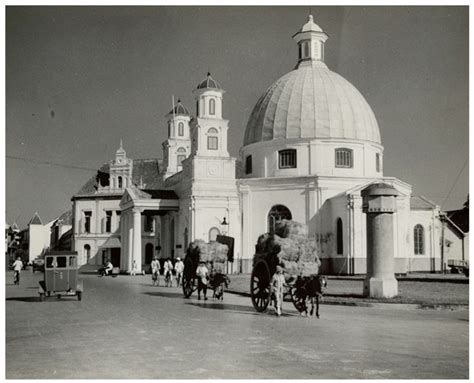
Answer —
(179, 267)
(168, 268)
(17, 267)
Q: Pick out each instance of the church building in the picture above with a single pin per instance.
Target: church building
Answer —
(312, 143)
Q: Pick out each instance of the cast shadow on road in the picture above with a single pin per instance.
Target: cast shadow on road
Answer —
(247, 310)
(165, 294)
(344, 295)
(46, 299)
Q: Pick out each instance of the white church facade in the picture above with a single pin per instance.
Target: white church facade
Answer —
(312, 143)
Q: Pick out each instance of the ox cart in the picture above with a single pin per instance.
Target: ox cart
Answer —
(296, 254)
(215, 255)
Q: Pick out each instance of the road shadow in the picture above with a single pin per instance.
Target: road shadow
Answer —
(165, 294)
(345, 295)
(52, 298)
(246, 310)
(23, 299)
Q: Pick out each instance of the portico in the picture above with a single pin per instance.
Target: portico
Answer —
(152, 205)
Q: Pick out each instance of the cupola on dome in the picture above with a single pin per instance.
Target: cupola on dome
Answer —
(179, 109)
(209, 83)
(311, 101)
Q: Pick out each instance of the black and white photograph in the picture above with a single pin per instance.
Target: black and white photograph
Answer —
(236, 191)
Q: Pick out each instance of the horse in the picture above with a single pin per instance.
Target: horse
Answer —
(315, 286)
(218, 281)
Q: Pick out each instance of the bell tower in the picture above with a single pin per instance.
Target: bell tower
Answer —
(177, 147)
(120, 171)
(209, 129)
(311, 39)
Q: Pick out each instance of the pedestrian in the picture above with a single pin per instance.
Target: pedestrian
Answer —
(17, 267)
(202, 274)
(134, 268)
(168, 269)
(277, 285)
(179, 268)
(155, 271)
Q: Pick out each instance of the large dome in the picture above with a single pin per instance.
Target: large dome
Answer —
(311, 101)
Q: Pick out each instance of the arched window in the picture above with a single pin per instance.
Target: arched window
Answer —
(343, 158)
(120, 182)
(287, 159)
(277, 213)
(213, 233)
(306, 49)
(212, 139)
(169, 129)
(181, 153)
(419, 239)
(339, 238)
(248, 165)
(212, 106)
(377, 162)
(181, 129)
(87, 253)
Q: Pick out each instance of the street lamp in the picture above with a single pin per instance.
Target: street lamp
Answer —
(224, 225)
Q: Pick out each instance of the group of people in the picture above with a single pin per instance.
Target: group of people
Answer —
(167, 272)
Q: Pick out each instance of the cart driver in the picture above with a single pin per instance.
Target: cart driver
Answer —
(277, 285)
(202, 272)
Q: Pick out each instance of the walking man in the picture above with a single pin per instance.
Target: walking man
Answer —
(202, 274)
(179, 267)
(17, 267)
(277, 285)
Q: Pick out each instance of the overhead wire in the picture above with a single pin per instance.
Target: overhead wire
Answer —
(51, 163)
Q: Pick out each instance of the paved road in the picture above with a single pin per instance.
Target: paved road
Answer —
(125, 328)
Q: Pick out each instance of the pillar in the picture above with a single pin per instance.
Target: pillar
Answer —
(129, 242)
(379, 206)
(137, 239)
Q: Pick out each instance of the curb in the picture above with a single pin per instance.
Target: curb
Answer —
(384, 305)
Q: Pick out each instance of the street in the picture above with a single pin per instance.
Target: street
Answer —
(126, 328)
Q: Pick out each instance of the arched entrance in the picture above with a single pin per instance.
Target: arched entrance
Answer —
(277, 213)
(148, 253)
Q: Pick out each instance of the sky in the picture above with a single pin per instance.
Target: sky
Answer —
(80, 79)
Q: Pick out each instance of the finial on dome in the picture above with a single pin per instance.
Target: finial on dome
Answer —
(310, 18)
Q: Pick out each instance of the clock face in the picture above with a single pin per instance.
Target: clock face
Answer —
(119, 160)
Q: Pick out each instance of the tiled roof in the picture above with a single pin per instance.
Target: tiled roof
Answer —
(460, 218)
(146, 171)
(209, 83)
(421, 203)
(65, 218)
(36, 220)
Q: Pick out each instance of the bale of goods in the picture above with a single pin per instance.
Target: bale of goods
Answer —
(262, 244)
(286, 228)
(291, 267)
(289, 249)
(308, 268)
(210, 252)
(308, 248)
(219, 267)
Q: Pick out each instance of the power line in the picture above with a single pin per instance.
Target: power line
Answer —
(32, 160)
(455, 181)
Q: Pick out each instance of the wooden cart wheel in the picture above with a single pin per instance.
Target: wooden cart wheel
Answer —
(298, 297)
(189, 286)
(260, 290)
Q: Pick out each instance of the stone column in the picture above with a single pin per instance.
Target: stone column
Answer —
(129, 242)
(379, 206)
(137, 239)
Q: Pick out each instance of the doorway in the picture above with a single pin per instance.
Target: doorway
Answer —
(115, 256)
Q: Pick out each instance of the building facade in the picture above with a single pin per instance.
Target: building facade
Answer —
(312, 143)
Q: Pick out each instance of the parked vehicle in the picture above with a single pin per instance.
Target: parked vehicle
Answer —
(60, 275)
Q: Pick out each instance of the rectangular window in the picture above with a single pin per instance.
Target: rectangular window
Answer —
(248, 165)
(287, 159)
(87, 221)
(148, 223)
(343, 158)
(108, 221)
(61, 261)
(212, 143)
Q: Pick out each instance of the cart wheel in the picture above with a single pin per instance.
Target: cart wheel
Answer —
(41, 297)
(260, 291)
(79, 295)
(189, 286)
(298, 297)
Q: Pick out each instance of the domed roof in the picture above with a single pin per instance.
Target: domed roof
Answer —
(209, 83)
(311, 102)
(179, 109)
